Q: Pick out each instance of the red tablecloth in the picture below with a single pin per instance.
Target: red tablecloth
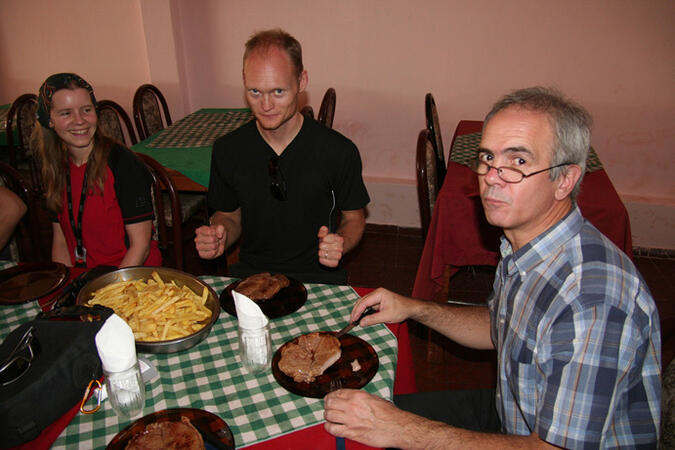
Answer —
(310, 438)
(459, 234)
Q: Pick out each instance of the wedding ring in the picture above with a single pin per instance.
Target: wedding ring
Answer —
(325, 255)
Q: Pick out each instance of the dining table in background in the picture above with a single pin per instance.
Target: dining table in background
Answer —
(261, 414)
(459, 234)
(185, 147)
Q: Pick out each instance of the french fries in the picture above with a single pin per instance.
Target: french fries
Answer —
(154, 309)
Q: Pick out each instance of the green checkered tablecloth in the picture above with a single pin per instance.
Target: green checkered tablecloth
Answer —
(11, 316)
(466, 146)
(209, 376)
(201, 128)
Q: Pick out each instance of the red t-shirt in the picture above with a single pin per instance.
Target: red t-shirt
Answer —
(126, 199)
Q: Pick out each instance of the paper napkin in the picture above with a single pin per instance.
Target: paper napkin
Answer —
(116, 345)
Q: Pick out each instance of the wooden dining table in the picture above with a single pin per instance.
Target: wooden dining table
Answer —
(185, 147)
(459, 234)
(260, 413)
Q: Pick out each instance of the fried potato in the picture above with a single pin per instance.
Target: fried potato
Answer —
(155, 310)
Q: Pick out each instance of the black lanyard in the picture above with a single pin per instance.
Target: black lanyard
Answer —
(80, 251)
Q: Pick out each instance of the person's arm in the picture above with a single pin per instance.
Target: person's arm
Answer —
(363, 417)
(466, 325)
(223, 231)
(139, 243)
(333, 246)
(12, 210)
(60, 251)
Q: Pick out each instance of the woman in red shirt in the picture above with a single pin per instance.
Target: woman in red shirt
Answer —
(96, 187)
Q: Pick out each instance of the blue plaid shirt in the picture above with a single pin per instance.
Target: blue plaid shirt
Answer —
(578, 341)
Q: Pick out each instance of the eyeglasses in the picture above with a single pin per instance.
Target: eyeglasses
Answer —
(277, 182)
(20, 359)
(509, 174)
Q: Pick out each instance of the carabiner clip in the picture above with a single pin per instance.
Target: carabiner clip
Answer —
(86, 397)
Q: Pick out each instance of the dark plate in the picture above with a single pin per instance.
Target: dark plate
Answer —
(352, 348)
(30, 281)
(213, 429)
(286, 301)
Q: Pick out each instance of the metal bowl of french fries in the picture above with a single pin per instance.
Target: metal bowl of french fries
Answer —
(168, 310)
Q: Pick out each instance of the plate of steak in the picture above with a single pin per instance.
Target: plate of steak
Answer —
(307, 364)
(276, 294)
(177, 429)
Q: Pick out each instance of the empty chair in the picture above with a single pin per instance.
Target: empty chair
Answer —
(147, 112)
(307, 111)
(435, 131)
(427, 187)
(166, 206)
(115, 123)
(327, 109)
(25, 246)
(21, 120)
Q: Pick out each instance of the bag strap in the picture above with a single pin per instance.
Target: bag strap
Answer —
(96, 313)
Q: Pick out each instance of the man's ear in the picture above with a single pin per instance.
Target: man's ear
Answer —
(304, 80)
(567, 181)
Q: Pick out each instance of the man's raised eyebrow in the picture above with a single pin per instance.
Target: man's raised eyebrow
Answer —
(520, 150)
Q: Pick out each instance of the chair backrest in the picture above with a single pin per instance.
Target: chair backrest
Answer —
(147, 114)
(27, 237)
(327, 109)
(162, 181)
(307, 111)
(22, 118)
(115, 123)
(434, 128)
(427, 189)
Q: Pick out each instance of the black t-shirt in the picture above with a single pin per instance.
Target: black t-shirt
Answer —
(281, 236)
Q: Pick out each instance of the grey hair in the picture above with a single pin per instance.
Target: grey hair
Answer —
(570, 121)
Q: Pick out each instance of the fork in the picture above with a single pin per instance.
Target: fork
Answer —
(334, 385)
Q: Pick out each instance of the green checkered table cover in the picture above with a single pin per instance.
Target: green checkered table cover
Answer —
(209, 376)
(11, 316)
(201, 129)
(466, 146)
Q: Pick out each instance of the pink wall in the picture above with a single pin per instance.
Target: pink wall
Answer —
(614, 56)
(101, 41)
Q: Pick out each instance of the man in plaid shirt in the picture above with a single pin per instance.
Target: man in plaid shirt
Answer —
(575, 328)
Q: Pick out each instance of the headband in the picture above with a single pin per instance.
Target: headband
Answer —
(55, 83)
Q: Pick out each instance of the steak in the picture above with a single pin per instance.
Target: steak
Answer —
(308, 356)
(168, 435)
(262, 286)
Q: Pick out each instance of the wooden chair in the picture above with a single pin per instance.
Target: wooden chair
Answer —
(427, 186)
(115, 123)
(148, 118)
(164, 206)
(22, 118)
(25, 246)
(327, 109)
(307, 111)
(147, 113)
(434, 128)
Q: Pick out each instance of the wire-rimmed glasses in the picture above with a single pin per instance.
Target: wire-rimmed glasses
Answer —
(20, 359)
(277, 182)
(509, 174)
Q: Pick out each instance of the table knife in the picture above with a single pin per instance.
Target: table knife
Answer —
(351, 325)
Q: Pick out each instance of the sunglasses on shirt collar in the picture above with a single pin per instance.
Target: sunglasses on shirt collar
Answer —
(277, 182)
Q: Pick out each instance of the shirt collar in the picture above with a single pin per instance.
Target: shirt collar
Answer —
(543, 246)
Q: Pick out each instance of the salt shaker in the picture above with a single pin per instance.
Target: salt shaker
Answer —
(117, 350)
(255, 347)
(126, 390)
